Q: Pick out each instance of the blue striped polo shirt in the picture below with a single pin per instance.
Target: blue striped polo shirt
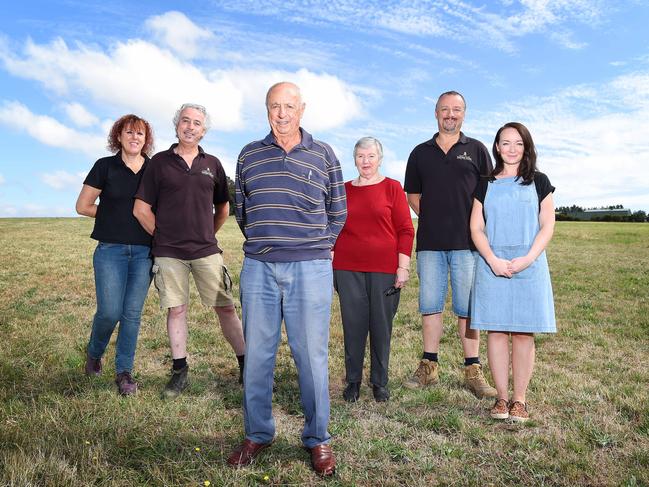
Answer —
(290, 207)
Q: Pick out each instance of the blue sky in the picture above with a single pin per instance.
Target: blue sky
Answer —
(576, 72)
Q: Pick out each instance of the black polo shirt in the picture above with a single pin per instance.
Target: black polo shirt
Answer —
(114, 220)
(183, 200)
(446, 183)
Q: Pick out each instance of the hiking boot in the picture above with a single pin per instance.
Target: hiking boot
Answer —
(426, 374)
(474, 381)
(518, 412)
(500, 409)
(93, 366)
(125, 383)
(177, 384)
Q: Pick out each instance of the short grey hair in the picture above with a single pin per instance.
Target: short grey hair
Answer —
(367, 142)
(450, 93)
(297, 89)
(208, 121)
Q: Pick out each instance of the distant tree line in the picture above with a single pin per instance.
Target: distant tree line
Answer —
(570, 213)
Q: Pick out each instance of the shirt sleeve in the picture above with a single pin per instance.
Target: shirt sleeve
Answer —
(221, 193)
(148, 189)
(402, 221)
(481, 190)
(412, 182)
(485, 164)
(239, 195)
(98, 175)
(336, 201)
(543, 186)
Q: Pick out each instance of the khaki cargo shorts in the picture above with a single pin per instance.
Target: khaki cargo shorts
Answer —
(171, 279)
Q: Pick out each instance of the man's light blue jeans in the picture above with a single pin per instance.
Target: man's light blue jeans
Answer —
(300, 293)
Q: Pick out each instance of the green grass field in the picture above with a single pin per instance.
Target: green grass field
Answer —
(589, 396)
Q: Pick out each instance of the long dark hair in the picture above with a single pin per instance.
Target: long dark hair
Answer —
(527, 167)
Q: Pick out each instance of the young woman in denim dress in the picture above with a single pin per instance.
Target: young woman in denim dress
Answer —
(122, 258)
(512, 222)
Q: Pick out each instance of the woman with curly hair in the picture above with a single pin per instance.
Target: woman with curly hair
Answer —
(122, 258)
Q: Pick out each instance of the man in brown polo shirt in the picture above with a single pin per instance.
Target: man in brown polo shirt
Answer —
(183, 201)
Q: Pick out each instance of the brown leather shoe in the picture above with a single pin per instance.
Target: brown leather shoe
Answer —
(323, 460)
(246, 453)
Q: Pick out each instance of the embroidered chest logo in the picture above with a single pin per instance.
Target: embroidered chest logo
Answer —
(207, 172)
(465, 157)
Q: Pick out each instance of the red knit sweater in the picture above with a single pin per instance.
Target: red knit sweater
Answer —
(378, 228)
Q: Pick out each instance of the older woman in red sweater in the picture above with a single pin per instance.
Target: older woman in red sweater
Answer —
(371, 265)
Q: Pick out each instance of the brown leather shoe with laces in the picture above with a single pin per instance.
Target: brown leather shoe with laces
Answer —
(93, 366)
(323, 460)
(246, 453)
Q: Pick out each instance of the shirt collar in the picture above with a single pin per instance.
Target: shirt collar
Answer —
(305, 143)
(461, 140)
(174, 145)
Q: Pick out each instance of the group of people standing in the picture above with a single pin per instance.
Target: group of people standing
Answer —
(307, 231)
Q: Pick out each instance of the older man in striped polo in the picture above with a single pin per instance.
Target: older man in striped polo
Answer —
(290, 205)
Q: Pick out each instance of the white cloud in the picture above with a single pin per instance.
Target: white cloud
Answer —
(78, 114)
(62, 180)
(179, 33)
(591, 139)
(491, 23)
(48, 130)
(2, 179)
(137, 76)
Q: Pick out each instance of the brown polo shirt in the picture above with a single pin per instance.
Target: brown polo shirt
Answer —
(183, 200)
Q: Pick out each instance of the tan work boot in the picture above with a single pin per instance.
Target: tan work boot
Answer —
(425, 375)
(474, 381)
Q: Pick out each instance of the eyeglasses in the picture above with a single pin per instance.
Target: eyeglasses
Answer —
(392, 290)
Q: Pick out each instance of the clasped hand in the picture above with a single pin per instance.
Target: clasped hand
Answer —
(507, 268)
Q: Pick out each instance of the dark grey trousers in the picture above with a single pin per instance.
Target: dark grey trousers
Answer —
(365, 308)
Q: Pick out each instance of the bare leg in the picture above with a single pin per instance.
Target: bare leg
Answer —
(522, 363)
(432, 330)
(498, 354)
(231, 328)
(470, 338)
(177, 330)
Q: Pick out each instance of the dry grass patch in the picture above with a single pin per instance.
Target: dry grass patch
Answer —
(588, 397)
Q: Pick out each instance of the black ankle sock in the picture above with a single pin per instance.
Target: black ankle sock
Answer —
(430, 356)
(240, 359)
(471, 360)
(180, 363)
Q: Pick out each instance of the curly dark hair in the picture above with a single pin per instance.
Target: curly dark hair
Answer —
(527, 167)
(136, 122)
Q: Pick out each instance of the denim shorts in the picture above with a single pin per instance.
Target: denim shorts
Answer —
(433, 267)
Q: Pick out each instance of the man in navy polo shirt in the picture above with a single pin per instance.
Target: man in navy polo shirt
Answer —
(290, 206)
(183, 201)
(441, 177)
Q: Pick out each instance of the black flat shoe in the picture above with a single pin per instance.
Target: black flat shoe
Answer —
(381, 394)
(352, 392)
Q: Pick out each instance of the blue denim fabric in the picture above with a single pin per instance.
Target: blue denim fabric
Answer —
(301, 294)
(433, 267)
(524, 302)
(122, 278)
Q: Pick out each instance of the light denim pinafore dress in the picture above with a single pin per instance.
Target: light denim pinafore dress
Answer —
(524, 302)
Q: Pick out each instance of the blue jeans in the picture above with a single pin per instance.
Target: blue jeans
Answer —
(122, 278)
(433, 267)
(300, 293)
